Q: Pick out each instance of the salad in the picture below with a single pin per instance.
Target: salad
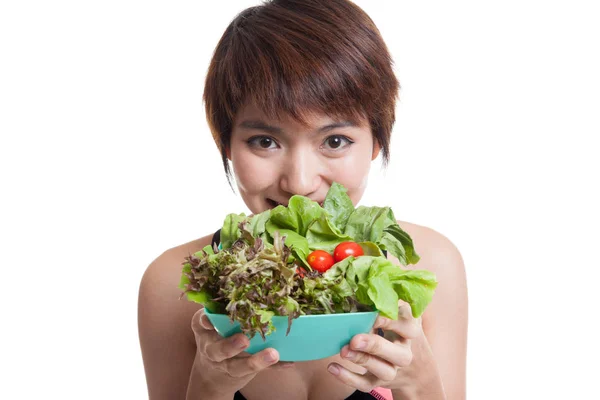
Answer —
(307, 259)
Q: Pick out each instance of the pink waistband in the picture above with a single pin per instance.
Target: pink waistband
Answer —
(382, 394)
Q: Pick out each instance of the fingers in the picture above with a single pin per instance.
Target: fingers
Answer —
(382, 369)
(203, 330)
(397, 353)
(205, 322)
(240, 367)
(200, 322)
(364, 383)
(226, 355)
(404, 310)
(223, 349)
(406, 328)
(283, 365)
(379, 356)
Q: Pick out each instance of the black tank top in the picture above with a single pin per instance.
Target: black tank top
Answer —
(358, 395)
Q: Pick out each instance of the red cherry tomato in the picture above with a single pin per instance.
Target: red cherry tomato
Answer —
(346, 249)
(320, 260)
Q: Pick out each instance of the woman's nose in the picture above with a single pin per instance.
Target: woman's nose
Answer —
(301, 174)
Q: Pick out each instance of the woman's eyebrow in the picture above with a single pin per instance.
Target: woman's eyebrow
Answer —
(263, 126)
(341, 124)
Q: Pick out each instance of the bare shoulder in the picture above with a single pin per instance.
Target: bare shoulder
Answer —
(440, 256)
(161, 278)
(445, 321)
(164, 323)
(437, 252)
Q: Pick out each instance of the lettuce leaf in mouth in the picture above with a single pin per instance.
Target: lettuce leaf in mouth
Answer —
(253, 277)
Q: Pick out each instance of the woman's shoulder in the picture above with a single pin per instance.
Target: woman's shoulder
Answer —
(169, 262)
(164, 322)
(440, 255)
(436, 250)
(159, 293)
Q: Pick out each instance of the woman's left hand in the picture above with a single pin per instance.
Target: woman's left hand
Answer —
(384, 360)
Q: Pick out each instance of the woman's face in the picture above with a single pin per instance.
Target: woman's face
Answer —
(275, 159)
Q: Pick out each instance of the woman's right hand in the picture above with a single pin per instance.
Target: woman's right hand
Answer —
(221, 367)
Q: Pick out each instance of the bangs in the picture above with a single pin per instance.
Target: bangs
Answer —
(289, 72)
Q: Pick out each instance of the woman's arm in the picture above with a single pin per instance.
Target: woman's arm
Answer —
(164, 324)
(446, 318)
(418, 358)
(184, 357)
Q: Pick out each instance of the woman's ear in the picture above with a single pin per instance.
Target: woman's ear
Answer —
(376, 149)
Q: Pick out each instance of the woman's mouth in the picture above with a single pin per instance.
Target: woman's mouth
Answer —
(274, 203)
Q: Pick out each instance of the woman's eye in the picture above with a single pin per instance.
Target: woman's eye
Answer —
(262, 142)
(336, 142)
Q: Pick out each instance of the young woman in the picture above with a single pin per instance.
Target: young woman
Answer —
(301, 94)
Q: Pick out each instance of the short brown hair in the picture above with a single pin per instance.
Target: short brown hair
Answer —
(300, 56)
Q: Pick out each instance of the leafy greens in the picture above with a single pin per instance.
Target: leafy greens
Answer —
(253, 277)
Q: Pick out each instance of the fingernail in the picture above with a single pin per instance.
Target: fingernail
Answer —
(360, 345)
(333, 369)
(350, 354)
(240, 343)
(269, 357)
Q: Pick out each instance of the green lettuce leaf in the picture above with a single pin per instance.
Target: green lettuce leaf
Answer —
(400, 244)
(258, 224)
(293, 222)
(416, 287)
(300, 213)
(366, 224)
(338, 205)
(383, 295)
(378, 225)
(297, 243)
(323, 235)
(370, 249)
(378, 282)
(230, 231)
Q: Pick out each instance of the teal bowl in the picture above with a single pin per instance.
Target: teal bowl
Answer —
(311, 337)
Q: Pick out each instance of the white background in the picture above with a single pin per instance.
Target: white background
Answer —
(106, 161)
